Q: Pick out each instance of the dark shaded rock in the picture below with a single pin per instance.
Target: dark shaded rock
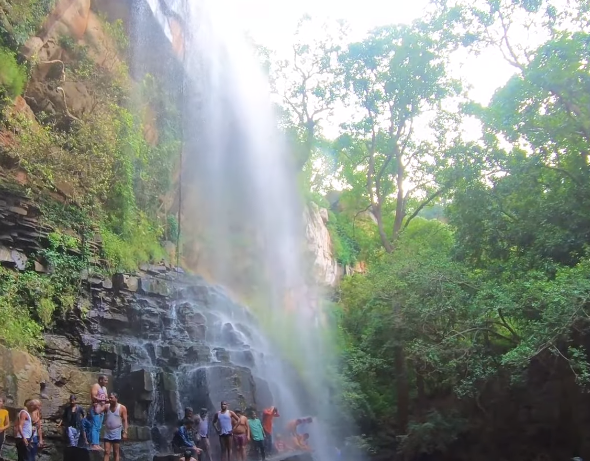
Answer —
(125, 282)
(40, 267)
(214, 383)
(230, 335)
(18, 210)
(154, 286)
(156, 270)
(264, 397)
(222, 355)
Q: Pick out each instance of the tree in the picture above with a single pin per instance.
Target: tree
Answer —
(309, 83)
(394, 77)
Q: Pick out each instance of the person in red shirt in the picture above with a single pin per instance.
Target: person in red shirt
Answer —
(268, 416)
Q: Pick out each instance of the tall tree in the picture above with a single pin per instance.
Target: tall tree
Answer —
(309, 82)
(394, 77)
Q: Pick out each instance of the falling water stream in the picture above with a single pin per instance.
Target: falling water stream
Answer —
(240, 191)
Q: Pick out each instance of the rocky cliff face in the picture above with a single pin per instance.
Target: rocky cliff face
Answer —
(319, 244)
(165, 338)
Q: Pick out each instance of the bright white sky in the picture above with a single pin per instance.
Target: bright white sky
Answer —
(272, 23)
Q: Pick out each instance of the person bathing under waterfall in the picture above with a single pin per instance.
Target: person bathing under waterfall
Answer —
(116, 427)
(203, 433)
(241, 435)
(184, 438)
(257, 434)
(268, 416)
(223, 423)
(98, 397)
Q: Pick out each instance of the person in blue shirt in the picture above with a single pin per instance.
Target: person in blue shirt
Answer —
(183, 438)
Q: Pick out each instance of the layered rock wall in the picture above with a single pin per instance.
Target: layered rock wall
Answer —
(164, 338)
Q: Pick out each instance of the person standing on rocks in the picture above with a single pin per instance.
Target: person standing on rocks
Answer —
(223, 423)
(257, 434)
(24, 431)
(116, 427)
(241, 435)
(203, 433)
(98, 397)
(37, 439)
(71, 422)
(268, 416)
(4, 423)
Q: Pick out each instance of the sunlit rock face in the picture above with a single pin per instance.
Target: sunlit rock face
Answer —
(319, 245)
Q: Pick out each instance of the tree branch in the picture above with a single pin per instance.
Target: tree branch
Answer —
(505, 325)
(422, 205)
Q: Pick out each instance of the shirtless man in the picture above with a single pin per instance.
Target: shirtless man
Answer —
(241, 435)
(98, 397)
(223, 422)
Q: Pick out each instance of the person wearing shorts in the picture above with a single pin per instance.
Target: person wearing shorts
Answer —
(222, 423)
(116, 425)
(241, 435)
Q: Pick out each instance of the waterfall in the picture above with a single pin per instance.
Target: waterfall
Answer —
(241, 204)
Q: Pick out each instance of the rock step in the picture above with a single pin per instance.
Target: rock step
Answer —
(290, 456)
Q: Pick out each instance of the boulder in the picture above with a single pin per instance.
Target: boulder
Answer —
(21, 376)
(65, 380)
(207, 386)
(154, 286)
(60, 349)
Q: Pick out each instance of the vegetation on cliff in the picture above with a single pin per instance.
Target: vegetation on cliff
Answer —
(92, 148)
(452, 307)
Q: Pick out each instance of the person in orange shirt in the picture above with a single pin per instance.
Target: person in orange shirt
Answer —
(268, 416)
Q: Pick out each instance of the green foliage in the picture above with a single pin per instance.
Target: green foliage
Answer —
(29, 301)
(123, 256)
(436, 434)
(505, 284)
(19, 19)
(19, 329)
(12, 74)
(343, 244)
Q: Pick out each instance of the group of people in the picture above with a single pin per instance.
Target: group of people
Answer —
(236, 430)
(81, 429)
(28, 432)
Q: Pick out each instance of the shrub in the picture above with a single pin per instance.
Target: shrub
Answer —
(12, 74)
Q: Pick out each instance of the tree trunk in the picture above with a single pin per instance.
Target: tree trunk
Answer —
(401, 375)
(421, 389)
(403, 390)
(384, 240)
(400, 206)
